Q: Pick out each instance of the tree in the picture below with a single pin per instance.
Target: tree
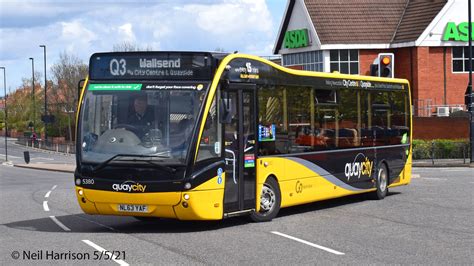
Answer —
(130, 47)
(66, 75)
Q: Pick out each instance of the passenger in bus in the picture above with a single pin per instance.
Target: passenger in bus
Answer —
(181, 138)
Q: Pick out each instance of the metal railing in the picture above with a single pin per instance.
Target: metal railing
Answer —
(442, 152)
(68, 148)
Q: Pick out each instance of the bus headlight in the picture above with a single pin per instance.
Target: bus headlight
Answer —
(186, 196)
(80, 192)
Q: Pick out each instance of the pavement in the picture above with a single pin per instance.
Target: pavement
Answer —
(443, 163)
(60, 162)
(65, 168)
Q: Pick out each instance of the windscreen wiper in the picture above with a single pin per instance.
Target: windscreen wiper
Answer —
(150, 161)
(106, 162)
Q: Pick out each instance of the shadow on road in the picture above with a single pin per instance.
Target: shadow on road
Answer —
(83, 223)
(327, 204)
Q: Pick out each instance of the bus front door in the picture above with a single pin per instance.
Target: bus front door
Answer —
(240, 149)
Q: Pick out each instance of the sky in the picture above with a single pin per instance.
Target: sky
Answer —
(81, 28)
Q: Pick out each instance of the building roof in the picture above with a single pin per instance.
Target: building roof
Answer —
(417, 17)
(367, 21)
(355, 21)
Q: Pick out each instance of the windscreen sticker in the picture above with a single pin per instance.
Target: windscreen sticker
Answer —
(404, 138)
(219, 175)
(115, 87)
(249, 160)
(266, 133)
(174, 87)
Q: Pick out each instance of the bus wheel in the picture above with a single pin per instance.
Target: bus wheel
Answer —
(381, 182)
(270, 201)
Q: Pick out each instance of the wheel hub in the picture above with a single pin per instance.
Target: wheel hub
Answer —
(267, 199)
(382, 180)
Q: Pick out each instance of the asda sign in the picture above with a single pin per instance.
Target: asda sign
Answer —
(457, 32)
(296, 39)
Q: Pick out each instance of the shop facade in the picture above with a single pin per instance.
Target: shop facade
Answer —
(428, 39)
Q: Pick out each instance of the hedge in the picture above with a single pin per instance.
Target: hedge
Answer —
(440, 149)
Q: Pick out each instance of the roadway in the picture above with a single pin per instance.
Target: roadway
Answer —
(427, 222)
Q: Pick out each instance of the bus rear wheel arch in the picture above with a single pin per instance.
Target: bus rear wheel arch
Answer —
(270, 201)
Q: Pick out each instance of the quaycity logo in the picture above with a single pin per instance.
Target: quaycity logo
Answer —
(129, 186)
(361, 166)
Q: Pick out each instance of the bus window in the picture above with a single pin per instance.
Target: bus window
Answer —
(210, 144)
(299, 118)
(349, 128)
(366, 135)
(381, 117)
(399, 117)
(273, 112)
(327, 117)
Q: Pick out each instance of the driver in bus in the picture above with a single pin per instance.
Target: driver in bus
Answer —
(142, 117)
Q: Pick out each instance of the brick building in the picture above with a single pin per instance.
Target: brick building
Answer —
(428, 40)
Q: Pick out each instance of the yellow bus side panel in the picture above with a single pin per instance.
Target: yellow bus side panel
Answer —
(206, 201)
(298, 184)
(405, 175)
(311, 189)
(212, 184)
(201, 205)
(86, 205)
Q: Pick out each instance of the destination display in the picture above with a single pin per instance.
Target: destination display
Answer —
(150, 66)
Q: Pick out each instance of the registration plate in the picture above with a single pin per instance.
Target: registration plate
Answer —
(132, 208)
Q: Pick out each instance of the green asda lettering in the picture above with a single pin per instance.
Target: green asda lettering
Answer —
(296, 38)
(459, 32)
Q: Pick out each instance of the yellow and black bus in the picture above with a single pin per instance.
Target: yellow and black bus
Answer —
(205, 136)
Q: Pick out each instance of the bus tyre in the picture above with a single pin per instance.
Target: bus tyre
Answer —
(270, 201)
(381, 183)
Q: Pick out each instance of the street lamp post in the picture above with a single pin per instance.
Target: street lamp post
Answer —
(6, 113)
(33, 83)
(45, 100)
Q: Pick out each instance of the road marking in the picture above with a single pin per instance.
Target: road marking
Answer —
(43, 158)
(415, 176)
(65, 228)
(308, 243)
(49, 192)
(101, 249)
(45, 206)
(11, 156)
(435, 178)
